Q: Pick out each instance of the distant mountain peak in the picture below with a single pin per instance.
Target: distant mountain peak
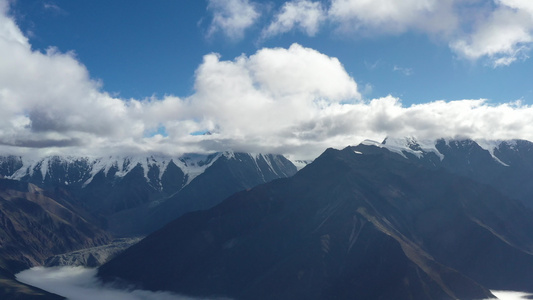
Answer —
(192, 165)
(421, 147)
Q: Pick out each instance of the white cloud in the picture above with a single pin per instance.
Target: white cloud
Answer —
(501, 32)
(294, 101)
(77, 283)
(504, 36)
(498, 31)
(232, 17)
(390, 16)
(518, 4)
(510, 295)
(404, 71)
(54, 8)
(8, 29)
(302, 14)
(248, 102)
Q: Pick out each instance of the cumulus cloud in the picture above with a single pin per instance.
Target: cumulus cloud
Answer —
(305, 15)
(78, 283)
(232, 17)
(503, 36)
(294, 101)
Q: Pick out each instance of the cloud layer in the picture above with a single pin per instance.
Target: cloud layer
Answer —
(294, 101)
(77, 283)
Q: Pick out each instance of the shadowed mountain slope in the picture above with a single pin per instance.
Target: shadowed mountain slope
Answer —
(361, 223)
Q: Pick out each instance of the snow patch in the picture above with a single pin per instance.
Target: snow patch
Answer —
(491, 145)
(299, 163)
(412, 145)
(193, 165)
(406, 145)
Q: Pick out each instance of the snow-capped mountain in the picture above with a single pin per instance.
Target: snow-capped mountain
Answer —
(506, 165)
(80, 171)
(421, 148)
(110, 186)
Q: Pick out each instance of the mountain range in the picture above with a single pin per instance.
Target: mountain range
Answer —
(397, 219)
(136, 195)
(400, 219)
(56, 205)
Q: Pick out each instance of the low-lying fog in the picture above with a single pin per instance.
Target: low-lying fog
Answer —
(78, 283)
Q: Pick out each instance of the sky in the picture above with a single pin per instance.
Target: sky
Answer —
(292, 77)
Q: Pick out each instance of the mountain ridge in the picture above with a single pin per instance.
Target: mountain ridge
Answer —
(124, 189)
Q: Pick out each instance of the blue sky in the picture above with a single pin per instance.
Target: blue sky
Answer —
(146, 73)
(142, 48)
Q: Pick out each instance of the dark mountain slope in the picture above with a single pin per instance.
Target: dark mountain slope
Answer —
(226, 176)
(359, 223)
(466, 225)
(35, 226)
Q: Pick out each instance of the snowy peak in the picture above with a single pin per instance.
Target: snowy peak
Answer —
(501, 151)
(81, 171)
(407, 145)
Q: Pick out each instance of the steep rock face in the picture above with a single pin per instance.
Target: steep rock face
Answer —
(361, 223)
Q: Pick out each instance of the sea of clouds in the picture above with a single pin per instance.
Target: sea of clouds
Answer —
(78, 283)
